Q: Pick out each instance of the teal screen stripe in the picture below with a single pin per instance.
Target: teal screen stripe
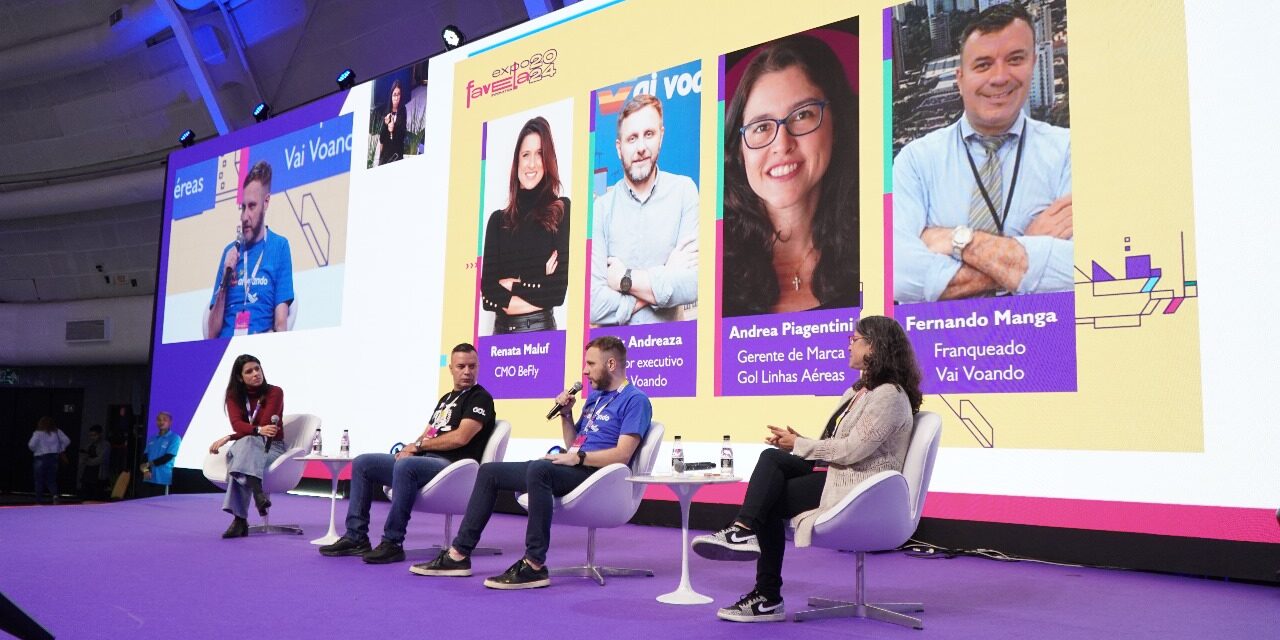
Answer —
(720, 162)
(888, 126)
(480, 217)
(591, 197)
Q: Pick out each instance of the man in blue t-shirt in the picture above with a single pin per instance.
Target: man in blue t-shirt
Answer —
(612, 425)
(157, 469)
(253, 287)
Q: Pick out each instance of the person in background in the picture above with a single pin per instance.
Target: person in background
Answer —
(47, 444)
(157, 469)
(94, 461)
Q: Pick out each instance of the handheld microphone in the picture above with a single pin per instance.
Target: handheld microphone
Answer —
(229, 275)
(266, 442)
(577, 386)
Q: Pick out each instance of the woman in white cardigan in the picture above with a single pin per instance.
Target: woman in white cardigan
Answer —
(868, 433)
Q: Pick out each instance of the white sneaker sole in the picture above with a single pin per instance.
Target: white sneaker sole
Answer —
(503, 586)
(779, 616)
(448, 573)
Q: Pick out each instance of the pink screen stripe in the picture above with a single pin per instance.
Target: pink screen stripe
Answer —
(1219, 523)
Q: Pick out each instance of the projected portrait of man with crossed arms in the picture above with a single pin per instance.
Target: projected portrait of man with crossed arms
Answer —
(644, 253)
(983, 206)
(253, 287)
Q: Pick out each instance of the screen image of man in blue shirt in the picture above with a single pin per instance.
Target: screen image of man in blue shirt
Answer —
(614, 421)
(983, 206)
(253, 287)
(644, 245)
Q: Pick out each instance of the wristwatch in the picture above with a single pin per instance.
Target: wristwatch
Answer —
(582, 458)
(961, 236)
(624, 285)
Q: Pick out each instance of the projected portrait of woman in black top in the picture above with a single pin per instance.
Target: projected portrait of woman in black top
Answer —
(525, 269)
(394, 127)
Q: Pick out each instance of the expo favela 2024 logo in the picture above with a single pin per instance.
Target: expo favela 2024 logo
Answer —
(510, 77)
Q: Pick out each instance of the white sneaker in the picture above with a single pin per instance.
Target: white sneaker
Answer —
(753, 607)
(730, 543)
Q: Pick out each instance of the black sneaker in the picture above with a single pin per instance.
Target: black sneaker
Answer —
(239, 528)
(754, 607)
(730, 543)
(346, 547)
(385, 553)
(520, 576)
(443, 565)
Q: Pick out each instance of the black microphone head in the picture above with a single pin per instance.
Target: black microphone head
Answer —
(577, 386)
(275, 419)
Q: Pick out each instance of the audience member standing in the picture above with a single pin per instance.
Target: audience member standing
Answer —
(47, 444)
(94, 457)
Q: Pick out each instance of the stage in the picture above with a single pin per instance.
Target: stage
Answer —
(158, 567)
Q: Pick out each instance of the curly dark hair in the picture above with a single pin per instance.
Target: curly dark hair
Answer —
(892, 359)
(547, 209)
(749, 236)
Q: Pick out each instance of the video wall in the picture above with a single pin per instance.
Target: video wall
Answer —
(729, 203)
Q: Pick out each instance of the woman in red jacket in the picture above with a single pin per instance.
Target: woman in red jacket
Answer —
(255, 409)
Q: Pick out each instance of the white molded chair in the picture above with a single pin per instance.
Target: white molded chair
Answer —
(283, 474)
(449, 491)
(606, 500)
(879, 514)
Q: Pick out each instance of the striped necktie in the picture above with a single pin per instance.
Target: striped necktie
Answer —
(979, 213)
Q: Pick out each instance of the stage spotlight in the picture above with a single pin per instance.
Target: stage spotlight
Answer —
(187, 138)
(452, 37)
(346, 79)
(262, 111)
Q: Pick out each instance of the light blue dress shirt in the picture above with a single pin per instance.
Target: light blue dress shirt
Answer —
(932, 186)
(643, 234)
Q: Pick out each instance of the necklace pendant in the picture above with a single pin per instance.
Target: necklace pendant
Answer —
(795, 282)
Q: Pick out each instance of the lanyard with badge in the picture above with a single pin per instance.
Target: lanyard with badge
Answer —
(1013, 183)
(242, 317)
(444, 413)
(590, 426)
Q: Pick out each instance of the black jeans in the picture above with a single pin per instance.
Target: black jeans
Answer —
(541, 479)
(782, 486)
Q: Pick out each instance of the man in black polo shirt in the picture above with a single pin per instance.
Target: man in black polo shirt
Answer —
(460, 428)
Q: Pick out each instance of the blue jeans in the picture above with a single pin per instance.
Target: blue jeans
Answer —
(406, 477)
(247, 457)
(46, 476)
(541, 479)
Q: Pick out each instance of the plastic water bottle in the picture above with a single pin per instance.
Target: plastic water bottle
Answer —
(677, 457)
(346, 444)
(317, 445)
(726, 458)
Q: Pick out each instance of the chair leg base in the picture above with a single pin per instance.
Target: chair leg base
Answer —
(291, 529)
(597, 573)
(891, 612)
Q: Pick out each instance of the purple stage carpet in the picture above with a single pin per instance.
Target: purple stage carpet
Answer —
(157, 568)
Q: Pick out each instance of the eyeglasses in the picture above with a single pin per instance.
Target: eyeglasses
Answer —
(804, 120)
(853, 339)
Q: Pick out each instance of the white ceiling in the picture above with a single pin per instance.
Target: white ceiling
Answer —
(88, 111)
